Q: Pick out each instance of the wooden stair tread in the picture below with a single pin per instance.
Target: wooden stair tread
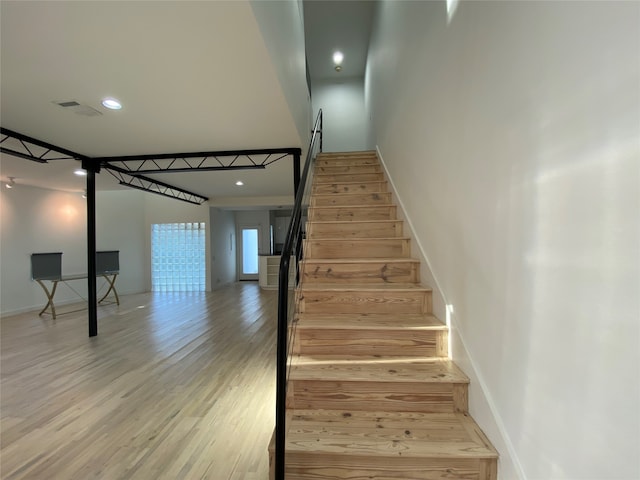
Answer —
(371, 287)
(369, 321)
(387, 434)
(348, 194)
(347, 155)
(359, 260)
(376, 369)
(321, 177)
(338, 207)
(342, 222)
(351, 198)
(352, 182)
(355, 239)
(352, 195)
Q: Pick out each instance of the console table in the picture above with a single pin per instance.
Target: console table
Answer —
(47, 267)
(110, 278)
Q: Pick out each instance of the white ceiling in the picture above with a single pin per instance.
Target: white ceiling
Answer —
(342, 25)
(192, 76)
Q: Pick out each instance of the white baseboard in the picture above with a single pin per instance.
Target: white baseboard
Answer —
(37, 308)
(426, 272)
(481, 405)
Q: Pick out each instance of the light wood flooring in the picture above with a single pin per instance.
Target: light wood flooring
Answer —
(175, 386)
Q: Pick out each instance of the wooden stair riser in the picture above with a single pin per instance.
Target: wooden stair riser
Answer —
(347, 177)
(342, 169)
(354, 229)
(328, 466)
(347, 156)
(426, 397)
(349, 187)
(351, 199)
(355, 272)
(413, 343)
(382, 212)
(358, 248)
(349, 162)
(353, 301)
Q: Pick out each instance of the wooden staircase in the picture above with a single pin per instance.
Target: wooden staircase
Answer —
(371, 392)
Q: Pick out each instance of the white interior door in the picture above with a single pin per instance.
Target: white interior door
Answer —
(248, 249)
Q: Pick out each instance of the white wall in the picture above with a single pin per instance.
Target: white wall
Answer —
(512, 136)
(39, 220)
(119, 220)
(282, 27)
(36, 220)
(223, 247)
(160, 209)
(343, 114)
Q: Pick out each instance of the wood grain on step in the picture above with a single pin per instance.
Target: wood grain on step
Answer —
(412, 370)
(354, 229)
(372, 395)
(349, 187)
(391, 341)
(368, 248)
(350, 199)
(404, 299)
(348, 177)
(401, 270)
(342, 169)
(415, 322)
(356, 212)
(346, 444)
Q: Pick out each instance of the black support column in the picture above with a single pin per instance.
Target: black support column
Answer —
(92, 168)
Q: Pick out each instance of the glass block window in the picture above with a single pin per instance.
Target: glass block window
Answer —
(178, 257)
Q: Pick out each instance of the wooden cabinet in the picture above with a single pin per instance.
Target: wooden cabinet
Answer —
(268, 269)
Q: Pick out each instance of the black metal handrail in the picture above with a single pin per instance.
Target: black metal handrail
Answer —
(292, 247)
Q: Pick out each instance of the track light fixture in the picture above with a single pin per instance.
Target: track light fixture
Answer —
(11, 182)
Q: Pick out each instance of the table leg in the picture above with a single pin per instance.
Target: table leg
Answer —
(49, 297)
(112, 287)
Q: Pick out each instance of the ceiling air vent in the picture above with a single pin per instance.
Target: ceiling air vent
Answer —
(79, 109)
(71, 103)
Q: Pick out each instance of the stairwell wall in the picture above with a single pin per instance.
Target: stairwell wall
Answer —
(342, 104)
(282, 28)
(510, 133)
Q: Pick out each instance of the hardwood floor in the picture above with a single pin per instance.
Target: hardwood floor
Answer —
(175, 386)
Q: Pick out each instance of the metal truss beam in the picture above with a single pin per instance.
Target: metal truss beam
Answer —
(200, 161)
(146, 184)
(131, 170)
(23, 146)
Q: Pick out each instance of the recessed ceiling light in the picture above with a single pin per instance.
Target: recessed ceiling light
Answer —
(80, 172)
(239, 183)
(338, 57)
(111, 103)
